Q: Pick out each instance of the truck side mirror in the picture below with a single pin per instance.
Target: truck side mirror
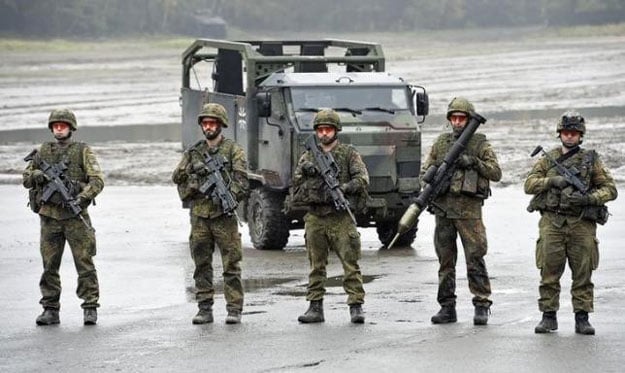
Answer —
(422, 103)
(263, 104)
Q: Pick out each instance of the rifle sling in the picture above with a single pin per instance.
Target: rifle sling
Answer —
(564, 157)
(568, 155)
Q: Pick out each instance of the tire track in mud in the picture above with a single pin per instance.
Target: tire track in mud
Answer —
(521, 86)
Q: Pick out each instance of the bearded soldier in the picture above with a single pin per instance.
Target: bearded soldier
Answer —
(75, 169)
(326, 228)
(459, 212)
(210, 224)
(568, 223)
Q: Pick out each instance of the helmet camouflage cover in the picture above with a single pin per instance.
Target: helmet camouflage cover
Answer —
(571, 120)
(63, 115)
(459, 104)
(327, 117)
(216, 111)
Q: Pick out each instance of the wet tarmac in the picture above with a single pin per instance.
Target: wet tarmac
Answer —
(521, 82)
(147, 302)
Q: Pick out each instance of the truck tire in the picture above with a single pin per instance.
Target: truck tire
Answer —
(387, 230)
(269, 228)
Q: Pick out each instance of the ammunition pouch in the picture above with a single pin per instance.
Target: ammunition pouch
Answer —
(313, 191)
(358, 201)
(34, 198)
(538, 202)
(184, 192)
(470, 183)
(597, 214)
(555, 201)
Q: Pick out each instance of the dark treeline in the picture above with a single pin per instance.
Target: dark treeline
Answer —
(92, 18)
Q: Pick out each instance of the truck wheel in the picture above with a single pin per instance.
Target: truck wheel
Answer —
(269, 229)
(387, 230)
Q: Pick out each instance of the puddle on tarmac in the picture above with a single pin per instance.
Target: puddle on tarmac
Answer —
(249, 285)
(335, 281)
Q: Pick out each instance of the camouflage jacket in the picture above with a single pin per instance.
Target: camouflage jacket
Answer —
(592, 173)
(313, 192)
(454, 204)
(187, 176)
(83, 172)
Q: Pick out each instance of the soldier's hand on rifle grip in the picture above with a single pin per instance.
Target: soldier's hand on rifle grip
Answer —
(82, 201)
(39, 177)
(579, 199)
(349, 188)
(559, 182)
(309, 169)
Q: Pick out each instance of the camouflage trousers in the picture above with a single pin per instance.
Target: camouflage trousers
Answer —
(205, 234)
(82, 243)
(338, 233)
(559, 241)
(473, 236)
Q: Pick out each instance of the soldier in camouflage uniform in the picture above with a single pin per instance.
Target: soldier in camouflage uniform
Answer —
(58, 224)
(209, 225)
(459, 211)
(568, 223)
(326, 228)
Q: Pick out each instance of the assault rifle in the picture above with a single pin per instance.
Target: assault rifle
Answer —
(597, 214)
(329, 172)
(215, 186)
(569, 174)
(437, 179)
(57, 183)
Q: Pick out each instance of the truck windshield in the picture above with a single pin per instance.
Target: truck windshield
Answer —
(356, 98)
(365, 104)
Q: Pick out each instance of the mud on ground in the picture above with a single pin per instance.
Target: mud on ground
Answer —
(521, 80)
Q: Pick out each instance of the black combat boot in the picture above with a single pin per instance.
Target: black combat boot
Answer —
(548, 323)
(48, 317)
(90, 316)
(446, 315)
(355, 312)
(582, 326)
(204, 315)
(234, 317)
(481, 315)
(314, 313)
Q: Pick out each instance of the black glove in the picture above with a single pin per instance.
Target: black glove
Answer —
(559, 182)
(83, 201)
(579, 199)
(466, 161)
(349, 188)
(309, 169)
(193, 185)
(39, 177)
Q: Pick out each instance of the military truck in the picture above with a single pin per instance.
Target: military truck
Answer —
(272, 90)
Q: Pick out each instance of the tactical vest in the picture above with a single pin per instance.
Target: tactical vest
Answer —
(72, 156)
(465, 181)
(556, 200)
(314, 191)
(200, 204)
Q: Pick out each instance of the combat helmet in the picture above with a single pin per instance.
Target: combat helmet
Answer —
(216, 111)
(327, 117)
(571, 120)
(460, 104)
(63, 115)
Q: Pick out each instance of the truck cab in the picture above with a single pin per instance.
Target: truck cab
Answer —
(272, 90)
